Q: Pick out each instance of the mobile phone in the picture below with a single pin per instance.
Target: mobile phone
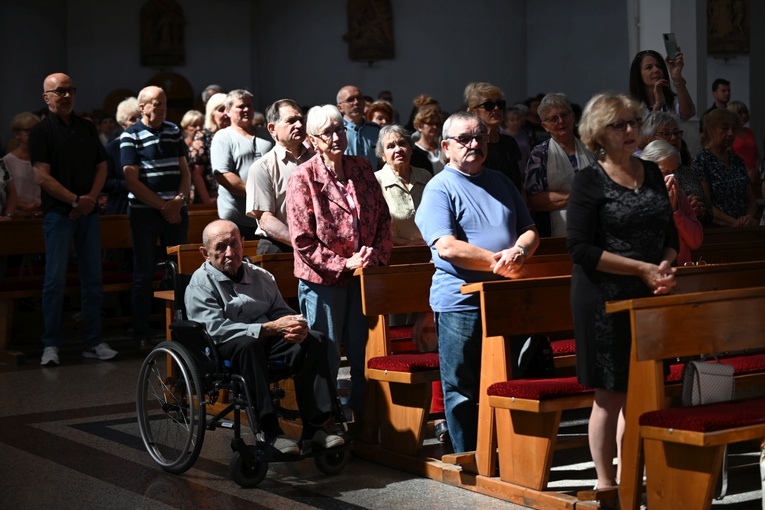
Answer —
(670, 44)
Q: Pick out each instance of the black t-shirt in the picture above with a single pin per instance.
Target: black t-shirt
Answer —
(73, 152)
(504, 156)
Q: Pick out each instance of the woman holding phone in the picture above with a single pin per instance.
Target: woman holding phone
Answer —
(649, 84)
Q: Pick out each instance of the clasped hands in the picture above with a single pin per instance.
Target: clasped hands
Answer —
(365, 257)
(509, 263)
(85, 205)
(660, 279)
(293, 328)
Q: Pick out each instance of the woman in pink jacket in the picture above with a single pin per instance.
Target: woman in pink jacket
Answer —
(338, 222)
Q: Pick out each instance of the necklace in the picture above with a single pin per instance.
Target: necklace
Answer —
(636, 189)
(332, 171)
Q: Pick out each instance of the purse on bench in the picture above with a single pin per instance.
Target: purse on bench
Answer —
(707, 383)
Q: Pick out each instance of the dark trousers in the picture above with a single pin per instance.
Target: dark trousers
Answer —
(308, 366)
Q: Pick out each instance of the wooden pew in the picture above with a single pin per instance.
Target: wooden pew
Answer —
(683, 465)
(541, 305)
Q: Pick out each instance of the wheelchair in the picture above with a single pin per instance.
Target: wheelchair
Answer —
(180, 379)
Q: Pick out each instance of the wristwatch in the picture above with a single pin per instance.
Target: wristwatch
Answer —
(183, 198)
(523, 251)
(76, 202)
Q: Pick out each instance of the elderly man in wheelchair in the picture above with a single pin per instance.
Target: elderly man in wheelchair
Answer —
(237, 307)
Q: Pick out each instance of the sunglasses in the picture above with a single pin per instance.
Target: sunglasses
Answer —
(467, 139)
(490, 105)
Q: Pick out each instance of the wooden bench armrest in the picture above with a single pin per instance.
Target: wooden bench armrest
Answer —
(689, 437)
(427, 376)
(542, 406)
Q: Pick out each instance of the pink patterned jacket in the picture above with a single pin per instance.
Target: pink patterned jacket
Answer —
(321, 223)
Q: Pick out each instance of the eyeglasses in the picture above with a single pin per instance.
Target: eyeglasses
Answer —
(327, 136)
(61, 91)
(677, 133)
(353, 99)
(554, 119)
(490, 105)
(622, 125)
(467, 139)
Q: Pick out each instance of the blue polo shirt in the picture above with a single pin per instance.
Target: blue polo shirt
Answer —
(485, 210)
(362, 140)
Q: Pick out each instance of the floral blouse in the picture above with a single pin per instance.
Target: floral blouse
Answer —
(199, 154)
(321, 220)
(729, 187)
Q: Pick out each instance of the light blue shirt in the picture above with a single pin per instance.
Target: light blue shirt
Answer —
(485, 210)
(362, 140)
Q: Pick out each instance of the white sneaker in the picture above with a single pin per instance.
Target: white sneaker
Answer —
(101, 351)
(49, 356)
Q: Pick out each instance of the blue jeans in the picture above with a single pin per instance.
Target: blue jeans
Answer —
(147, 226)
(459, 353)
(336, 312)
(59, 231)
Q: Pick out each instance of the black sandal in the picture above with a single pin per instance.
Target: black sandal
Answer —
(441, 431)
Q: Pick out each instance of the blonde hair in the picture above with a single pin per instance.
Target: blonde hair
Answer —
(600, 111)
(190, 117)
(476, 92)
(215, 102)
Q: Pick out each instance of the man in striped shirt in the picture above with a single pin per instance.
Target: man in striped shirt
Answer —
(157, 176)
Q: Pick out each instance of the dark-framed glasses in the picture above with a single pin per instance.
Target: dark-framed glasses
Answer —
(490, 105)
(622, 124)
(328, 135)
(466, 139)
(62, 91)
(667, 134)
(561, 117)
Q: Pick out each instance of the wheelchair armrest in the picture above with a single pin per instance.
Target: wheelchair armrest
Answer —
(183, 326)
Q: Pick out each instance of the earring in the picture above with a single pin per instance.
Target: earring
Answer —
(602, 152)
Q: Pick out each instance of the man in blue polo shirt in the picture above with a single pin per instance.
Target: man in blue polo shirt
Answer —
(69, 162)
(478, 228)
(157, 176)
(362, 135)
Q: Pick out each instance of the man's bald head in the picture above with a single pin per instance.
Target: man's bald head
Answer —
(58, 94)
(222, 246)
(152, 102)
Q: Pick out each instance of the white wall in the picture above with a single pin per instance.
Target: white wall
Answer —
(579, 48)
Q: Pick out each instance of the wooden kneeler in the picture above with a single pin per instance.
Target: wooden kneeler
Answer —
(403, 404)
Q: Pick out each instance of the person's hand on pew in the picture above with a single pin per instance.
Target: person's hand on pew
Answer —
(509, 263)
(660, 279)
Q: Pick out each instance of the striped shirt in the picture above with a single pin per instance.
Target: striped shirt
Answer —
(156, 153)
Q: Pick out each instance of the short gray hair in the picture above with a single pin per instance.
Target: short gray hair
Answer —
(385, 132)
(236, 94)
(127, 108)
(320, 116)
(552, 100)
(461, 116)
(659, 150)
(654, 120)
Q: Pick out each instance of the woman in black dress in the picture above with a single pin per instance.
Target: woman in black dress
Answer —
(622, 241)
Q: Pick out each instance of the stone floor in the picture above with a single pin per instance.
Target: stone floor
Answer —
(69, 440)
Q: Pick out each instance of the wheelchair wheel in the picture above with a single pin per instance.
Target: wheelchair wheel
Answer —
(332, 462)
(247, 474)
(170, 407)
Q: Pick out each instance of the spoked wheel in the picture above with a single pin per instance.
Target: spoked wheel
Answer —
(170, 407)
(247, 474)
(331, 462)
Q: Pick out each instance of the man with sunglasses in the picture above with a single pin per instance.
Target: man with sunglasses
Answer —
(478, 228)
(69, 162)
(362, 135)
